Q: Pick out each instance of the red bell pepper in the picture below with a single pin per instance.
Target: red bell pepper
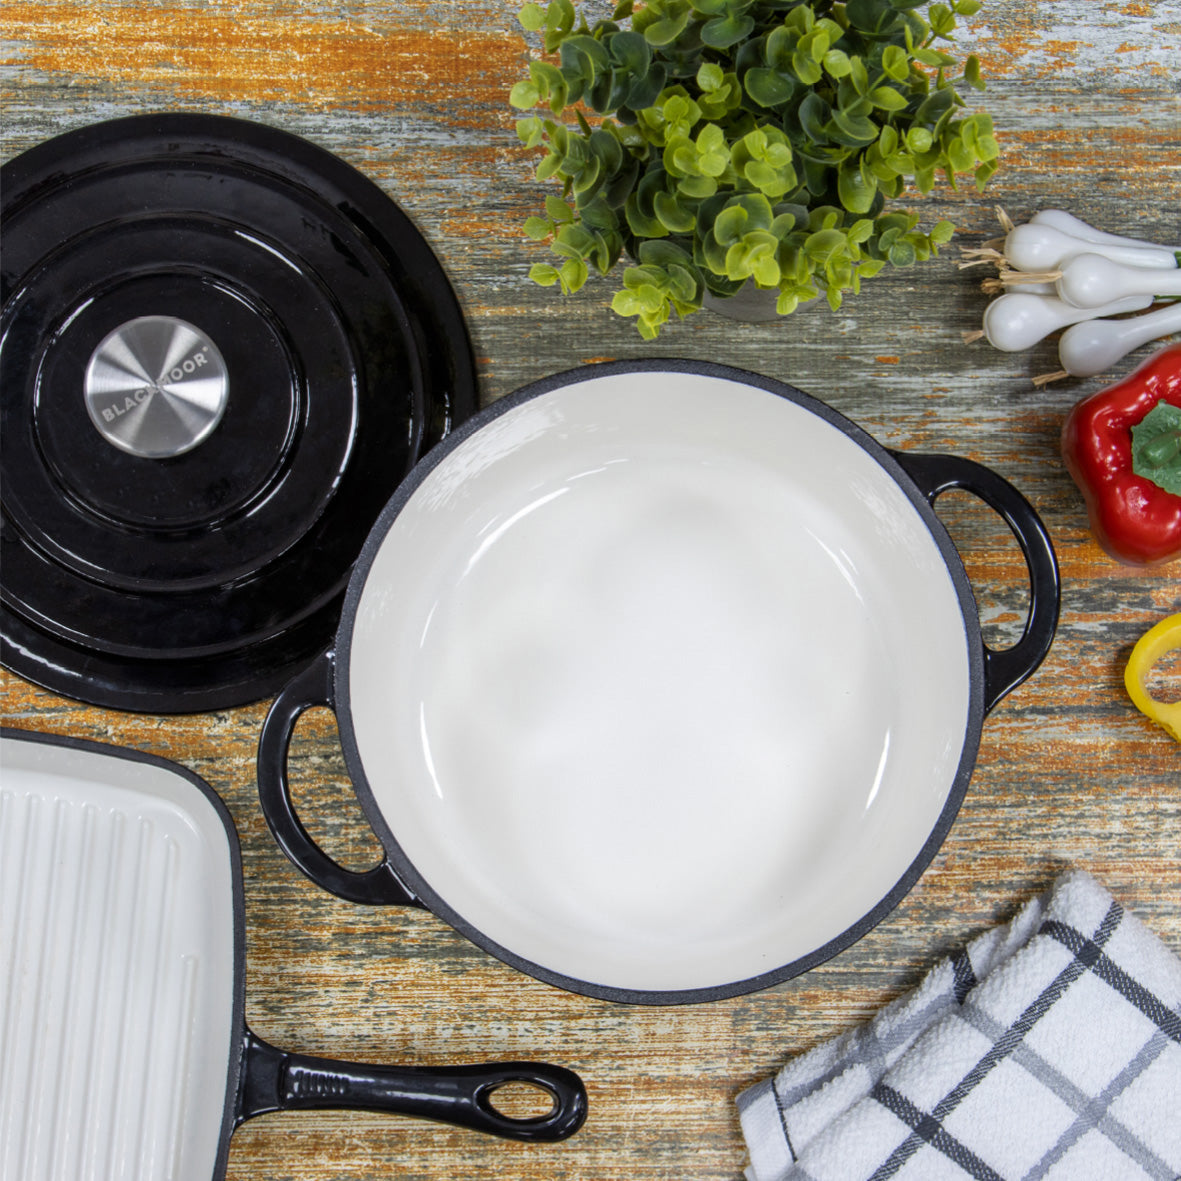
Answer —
(1129, 471)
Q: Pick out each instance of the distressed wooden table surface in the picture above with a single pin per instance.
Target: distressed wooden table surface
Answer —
(1086, 95)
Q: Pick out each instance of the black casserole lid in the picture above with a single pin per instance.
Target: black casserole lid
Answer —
(222, 349)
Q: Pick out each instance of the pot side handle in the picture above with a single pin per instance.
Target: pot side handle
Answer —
(374, 887)
(1004, 669)
(277, 1080)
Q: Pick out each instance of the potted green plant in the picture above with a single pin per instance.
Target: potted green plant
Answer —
(719, 144)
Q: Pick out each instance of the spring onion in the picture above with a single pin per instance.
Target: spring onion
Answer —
(1039, 247)
(1057, 272)
(1076, 227)
(1091, 346)
(1017, 320)
(1089, 280)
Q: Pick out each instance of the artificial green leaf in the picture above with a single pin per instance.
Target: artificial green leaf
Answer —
(896, 63)
(629, 51)
(860, 231)
(852, 129)
(585, 55)
(722, 32)
(642, 224)
(935, 105)
(573, 241)
(572, 274)
(768, 180)
(543, 274)
(768, 87)
(697, 187)
(608, 149)
(856, 195)
(959, 156)
(682, 284)
(559, 20)
(824, 244)
(805, 69)
(919, 140)
(987, 148)
(531, 132)
(887, 99)
(816, 44)
(710, 77)
(759, 212)
(673, 216)
(933, 57)
(532, 17)
(646, 275)
(667, 29)
(537, 228)
(941, 233)
(765, 270)
(972, 73)
(524, 95)
(550, 84)
(984, 173)
(730, 225)
(647, 88)
(858, 75)
(663, 253)
(868, 15)
(548, 166)
(813, 115)
(836, 64)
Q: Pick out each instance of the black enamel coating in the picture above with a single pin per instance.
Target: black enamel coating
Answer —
(373, 887)
(262, 1078)
(276, 1080)
(992, 674)
(1004, 669)
(205, 580)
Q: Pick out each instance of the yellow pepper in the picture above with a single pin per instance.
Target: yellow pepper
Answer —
(1155, 643)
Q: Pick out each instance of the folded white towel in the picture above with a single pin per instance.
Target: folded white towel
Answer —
(1049, 1048)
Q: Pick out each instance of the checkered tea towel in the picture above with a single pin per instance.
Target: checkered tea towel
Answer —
(1049, 1048)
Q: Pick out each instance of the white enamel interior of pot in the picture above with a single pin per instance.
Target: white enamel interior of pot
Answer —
(659, 681)
(116, 969)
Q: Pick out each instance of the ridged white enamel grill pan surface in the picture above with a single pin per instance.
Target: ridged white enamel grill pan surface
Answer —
(117, 972)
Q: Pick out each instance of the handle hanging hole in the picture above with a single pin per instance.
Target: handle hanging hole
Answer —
(323, 794)
(522, 1101)
(993, 562)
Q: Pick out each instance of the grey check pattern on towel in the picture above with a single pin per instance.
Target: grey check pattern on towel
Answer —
(1049, 1049)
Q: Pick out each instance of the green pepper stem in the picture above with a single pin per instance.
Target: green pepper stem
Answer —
(1163, 449)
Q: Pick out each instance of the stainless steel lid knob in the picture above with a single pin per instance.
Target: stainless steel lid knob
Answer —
(156, 387)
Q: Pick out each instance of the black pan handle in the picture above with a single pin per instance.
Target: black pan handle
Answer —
(1004, 670)
(276, 1080)
(375, 887)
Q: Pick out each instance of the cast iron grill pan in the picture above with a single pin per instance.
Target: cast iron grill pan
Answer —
(124, 1052)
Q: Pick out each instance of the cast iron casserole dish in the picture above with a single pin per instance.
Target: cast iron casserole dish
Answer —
(661, 681)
